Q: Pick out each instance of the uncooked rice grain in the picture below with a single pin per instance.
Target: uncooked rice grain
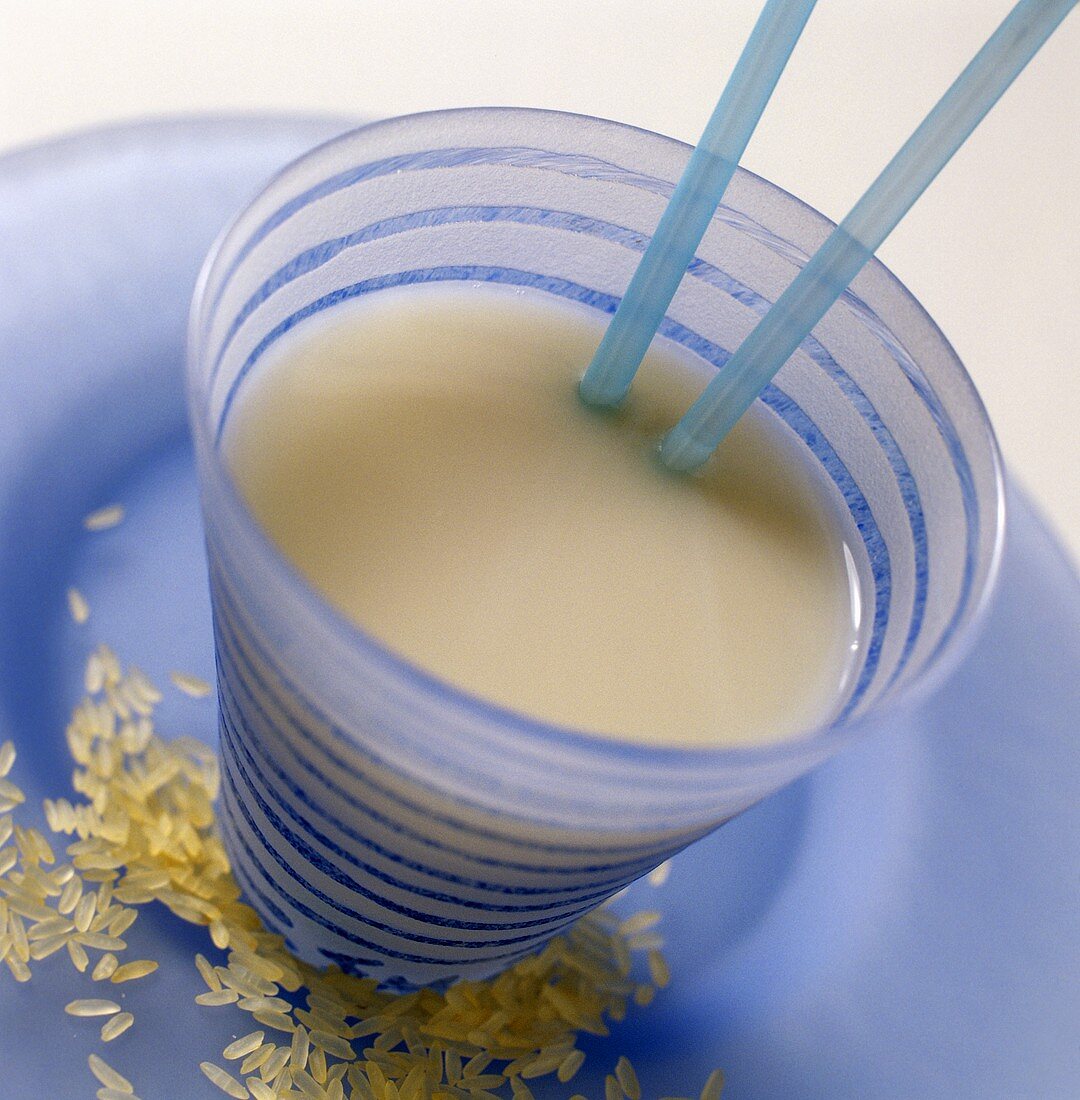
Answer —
(713, 1086)
(115, 1027)
(194, 686)
(106, 967)
(10, 796)
(243, 1046)
(224, 1081)
(658, 969)
(300, 1048)
(104, 518)
(570, 1065)
(660, 874)
(334, 1045)
(257, 1058)
(78, 608)
(274, 1064)
(627, 1078)
(217, 998)
(109, 1076)
(79, 958)
(91, 1006)
(129, 972)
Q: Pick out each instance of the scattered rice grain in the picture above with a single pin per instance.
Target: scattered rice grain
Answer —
(19, 970)
(100, 942)
(276, 1020)
(105, 967)
(109, 1076)
(116, 1027)
(274, 1064)
(627, 1078)
(104, 518)
(208, 973)
(195, 686)
(79, 958)
(91, 1006)
(300, 1048)
(306, 1084)
(570, 1065)
(714, 1086)
(257, 1058)
(243, 1046)
(658, 969)
(70, 895)
(78, 608)
(639, 922)
(317, 1066)
(333, 1045)
(660, 874)
(84, 912)
(224, 1081)
(10, 795)
(129, 972)
(42, 949)
(218, 997)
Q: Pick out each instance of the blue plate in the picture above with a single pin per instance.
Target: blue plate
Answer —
(904, 922)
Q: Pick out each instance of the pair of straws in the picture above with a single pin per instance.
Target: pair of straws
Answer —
(840, 258)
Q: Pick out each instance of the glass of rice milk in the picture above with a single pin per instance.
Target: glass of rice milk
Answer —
(481, 661)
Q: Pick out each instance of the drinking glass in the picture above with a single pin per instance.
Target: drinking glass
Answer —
(394, 825)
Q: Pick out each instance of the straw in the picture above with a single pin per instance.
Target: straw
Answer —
(694, 201)
(855, 240)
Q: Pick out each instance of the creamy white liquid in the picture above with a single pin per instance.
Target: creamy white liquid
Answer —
(422, 456)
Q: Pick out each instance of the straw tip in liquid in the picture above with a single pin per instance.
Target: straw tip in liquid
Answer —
(598, 396)
(681, 452)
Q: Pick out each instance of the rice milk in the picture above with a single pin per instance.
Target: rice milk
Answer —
(422, 457)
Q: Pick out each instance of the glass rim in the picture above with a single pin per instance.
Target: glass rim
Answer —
(812, 744)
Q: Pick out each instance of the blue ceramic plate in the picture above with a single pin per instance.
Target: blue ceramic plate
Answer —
(905, 922)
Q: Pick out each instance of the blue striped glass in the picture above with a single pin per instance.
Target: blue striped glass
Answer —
(386, 822)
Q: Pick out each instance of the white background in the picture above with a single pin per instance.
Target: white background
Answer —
(990, 250)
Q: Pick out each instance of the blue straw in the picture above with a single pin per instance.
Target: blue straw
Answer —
(858, 236)
(694, 201)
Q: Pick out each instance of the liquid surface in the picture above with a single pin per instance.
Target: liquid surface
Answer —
(422, 456)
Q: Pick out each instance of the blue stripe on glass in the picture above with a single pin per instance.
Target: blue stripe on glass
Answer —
(312, 857)
(233, 682)
(240, 752)
(579, 165)
(233, 805)
(313, 258)
(267, 904)
(876, 550)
